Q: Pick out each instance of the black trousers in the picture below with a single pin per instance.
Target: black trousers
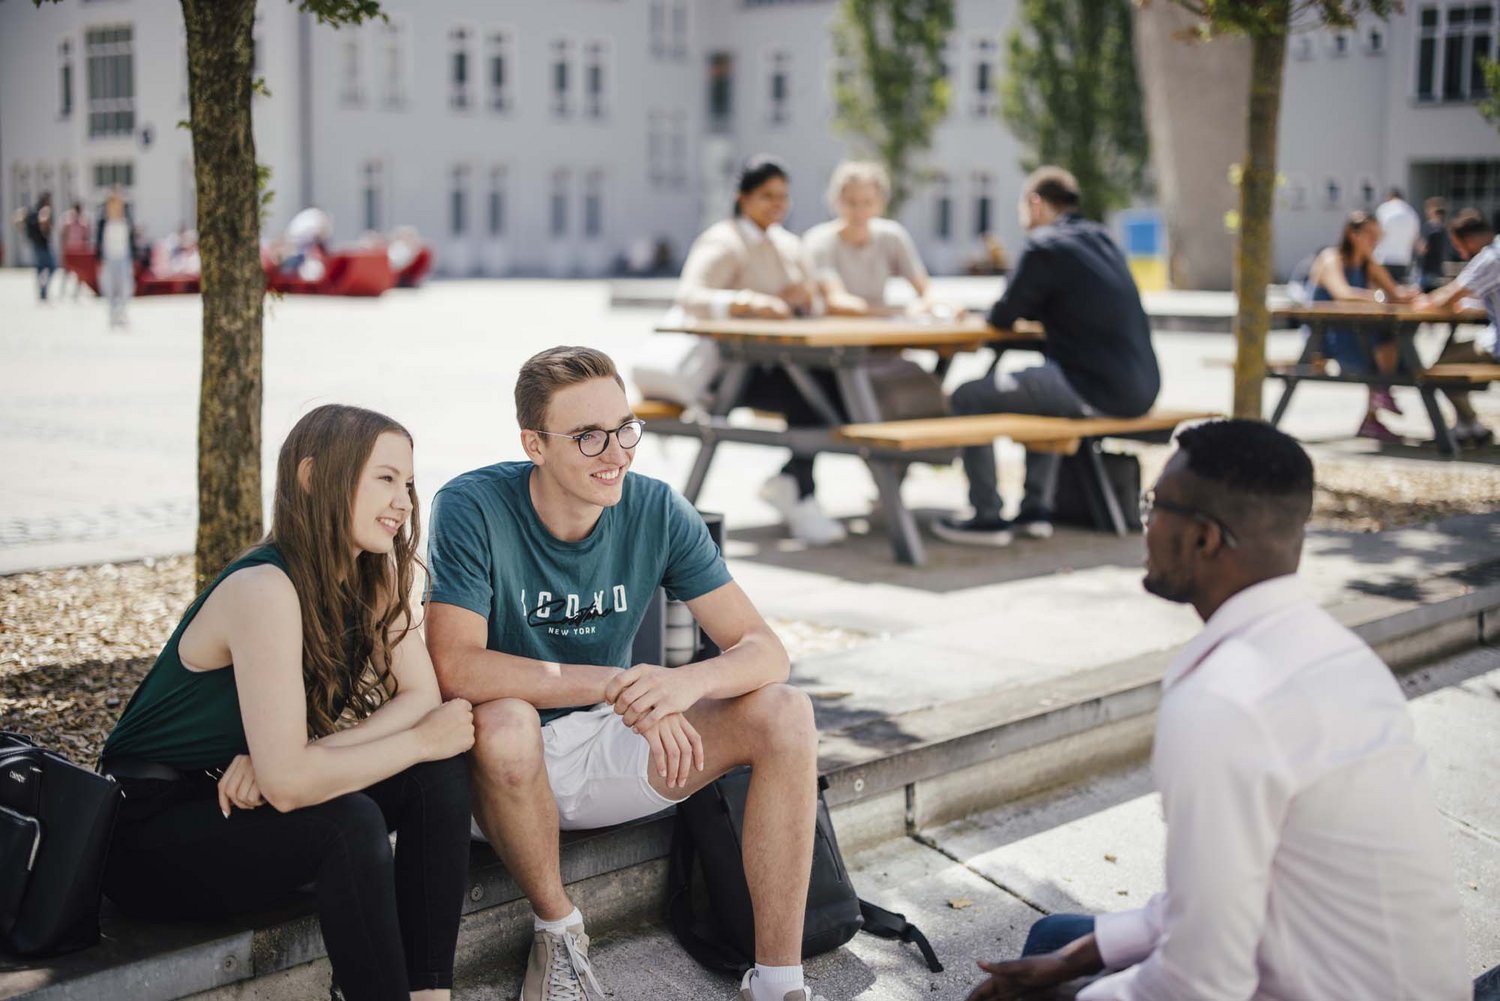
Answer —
(390, 923)
(770, 388)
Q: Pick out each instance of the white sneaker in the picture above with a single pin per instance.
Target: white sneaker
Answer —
(781, 493)
(809, 524)
(747, 994)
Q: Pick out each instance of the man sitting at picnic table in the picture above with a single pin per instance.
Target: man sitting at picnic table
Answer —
(1474, 239)
(1099, 361)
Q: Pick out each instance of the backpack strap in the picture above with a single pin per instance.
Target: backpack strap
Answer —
(695, 936)
(889, 924)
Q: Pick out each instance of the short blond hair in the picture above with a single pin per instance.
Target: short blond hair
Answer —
(851, 171)
(549, 371)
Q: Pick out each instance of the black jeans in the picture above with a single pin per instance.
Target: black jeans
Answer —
(770, 388)
(390, 924)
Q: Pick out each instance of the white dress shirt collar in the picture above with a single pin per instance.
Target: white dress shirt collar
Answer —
(1241, 611)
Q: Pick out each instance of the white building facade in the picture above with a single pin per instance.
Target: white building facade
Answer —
(553, 138)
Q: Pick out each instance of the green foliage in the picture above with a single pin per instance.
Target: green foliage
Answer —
(1071, 95)
(340, 12)
(892, 89)
(1490, 106)
(1272, 17)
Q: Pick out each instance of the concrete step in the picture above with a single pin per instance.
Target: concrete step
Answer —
(887, 777)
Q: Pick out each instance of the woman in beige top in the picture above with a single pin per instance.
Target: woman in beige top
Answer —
(750, 266)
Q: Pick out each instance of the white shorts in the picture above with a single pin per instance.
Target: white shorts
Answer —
(599, 771)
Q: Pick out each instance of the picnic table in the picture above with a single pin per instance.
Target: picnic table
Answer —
(1372, 319)
(849, 347)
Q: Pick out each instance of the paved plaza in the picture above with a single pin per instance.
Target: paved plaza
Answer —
(99, 428)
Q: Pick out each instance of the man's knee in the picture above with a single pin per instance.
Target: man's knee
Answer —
(507, 742)
(972, 398)
(780, 717)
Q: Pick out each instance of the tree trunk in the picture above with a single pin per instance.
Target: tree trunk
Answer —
(1257, 194)
(219, 53)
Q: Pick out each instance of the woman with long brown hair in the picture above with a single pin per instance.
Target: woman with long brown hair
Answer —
(293, 721)
(1350, 273)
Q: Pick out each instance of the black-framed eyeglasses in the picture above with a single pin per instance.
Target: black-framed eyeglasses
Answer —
(595, 440)
(1150, 503)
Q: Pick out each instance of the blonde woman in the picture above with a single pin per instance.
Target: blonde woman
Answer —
(853, 256)
(293, 721)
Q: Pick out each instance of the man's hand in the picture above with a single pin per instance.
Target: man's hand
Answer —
(648, 693)
(237, 786)
(676, 749)
(1031, 977)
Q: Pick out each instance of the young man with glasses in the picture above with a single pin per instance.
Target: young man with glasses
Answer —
(541, 573)
(1306, 860)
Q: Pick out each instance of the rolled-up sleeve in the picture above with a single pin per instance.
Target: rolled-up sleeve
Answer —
(1225, 792)
(710, 279)
(1128, 937)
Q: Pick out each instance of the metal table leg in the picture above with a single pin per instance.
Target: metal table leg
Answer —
(901, 526)
(1406, 346)
(1314, 341)
(731, 384)
(1104, 500)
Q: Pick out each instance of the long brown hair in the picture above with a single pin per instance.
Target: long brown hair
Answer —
(350, 611)
(1356, 221)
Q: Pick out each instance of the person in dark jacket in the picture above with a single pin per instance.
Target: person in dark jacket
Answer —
(1072, 278)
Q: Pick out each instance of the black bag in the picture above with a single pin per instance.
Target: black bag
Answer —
(708, 832)
(906, 391)
(55, 825)
(34, 227)
(1075, 502)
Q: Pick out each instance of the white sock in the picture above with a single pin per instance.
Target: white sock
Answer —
(774, 983)
(560, 925)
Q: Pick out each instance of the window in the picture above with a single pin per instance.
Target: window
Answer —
(1470, 183)
(595, 61)
(392, 63)
(1452, 44)
(679, 29)
(372, 195)
(1333, 193)
(985, 99)
(593, 204)
(1294, 192)
(495, 214)
(559, 221)
(942, 210)
(720, 91)
(1338, 42)
(656, 148)
(65, 79)
(501, 70)
(679, 148)
(111, 81)
(668, 28)
(107, 175)
(460, 69)
(778, 88)
(984, 186)
(351, 76)
(458, 201)
(562, 54)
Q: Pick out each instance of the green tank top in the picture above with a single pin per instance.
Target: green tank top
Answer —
(187, 719)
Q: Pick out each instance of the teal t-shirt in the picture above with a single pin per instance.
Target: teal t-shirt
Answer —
(570, 602)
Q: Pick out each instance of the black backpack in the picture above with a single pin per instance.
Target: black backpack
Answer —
(708, 833)
(55, 825)
(34, 227)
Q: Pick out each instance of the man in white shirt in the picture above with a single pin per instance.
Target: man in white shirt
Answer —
(1305, 856)
(1474, 239)
(1400, 229)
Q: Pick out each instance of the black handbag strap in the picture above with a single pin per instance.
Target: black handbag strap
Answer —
(888, 924)
(694, 935)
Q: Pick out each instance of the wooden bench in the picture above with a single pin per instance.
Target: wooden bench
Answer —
(1063, 435)
(1058, 435)
(657, 410)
